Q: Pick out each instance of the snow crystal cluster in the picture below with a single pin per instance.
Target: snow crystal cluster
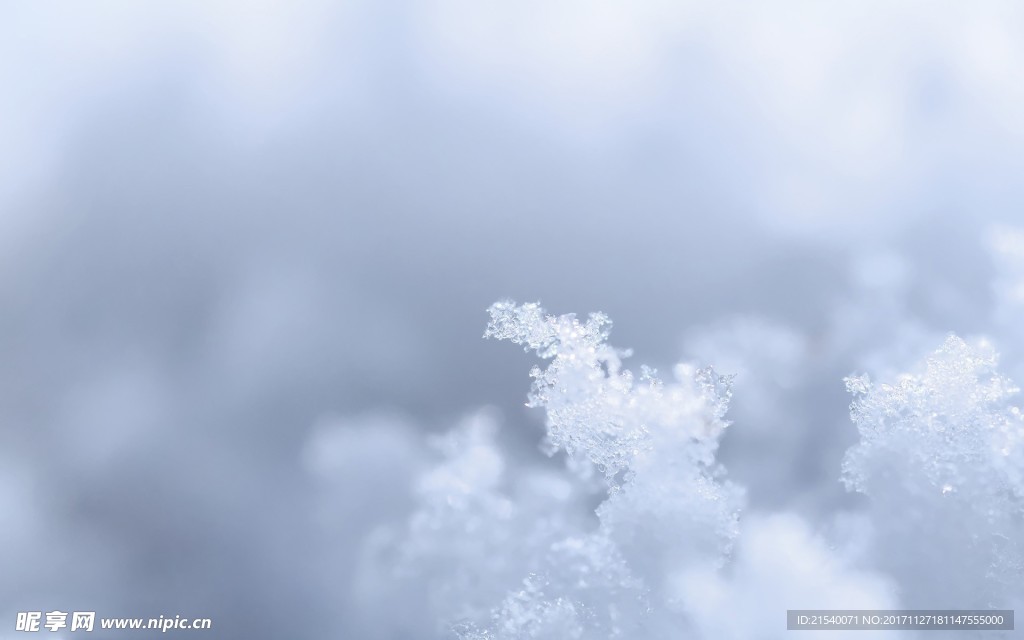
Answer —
(666, 508)
(942, 452)
(630, 528)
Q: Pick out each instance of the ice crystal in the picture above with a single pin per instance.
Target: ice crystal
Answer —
(476, 530)
(598, 423)
(941, 451)
(667, 507)
(637, 535)
(955, 420)
(594, 407)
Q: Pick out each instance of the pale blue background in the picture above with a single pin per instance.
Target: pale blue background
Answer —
(222, 221)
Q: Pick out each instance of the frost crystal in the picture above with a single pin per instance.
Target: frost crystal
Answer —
(941, 451)
(594, 407)
(667, 508)
(477, 529)
(954, 420)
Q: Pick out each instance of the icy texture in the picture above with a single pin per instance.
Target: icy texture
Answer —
(473, 535)
(791, 424)
(667, 509)
(941, 452)
(630, 531)
(594, 407)
(601, 423)
(585, 591)
(780, 564)
(954, 420)
(771, 363)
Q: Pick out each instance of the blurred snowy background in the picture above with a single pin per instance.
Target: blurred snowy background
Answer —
(246, 249)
